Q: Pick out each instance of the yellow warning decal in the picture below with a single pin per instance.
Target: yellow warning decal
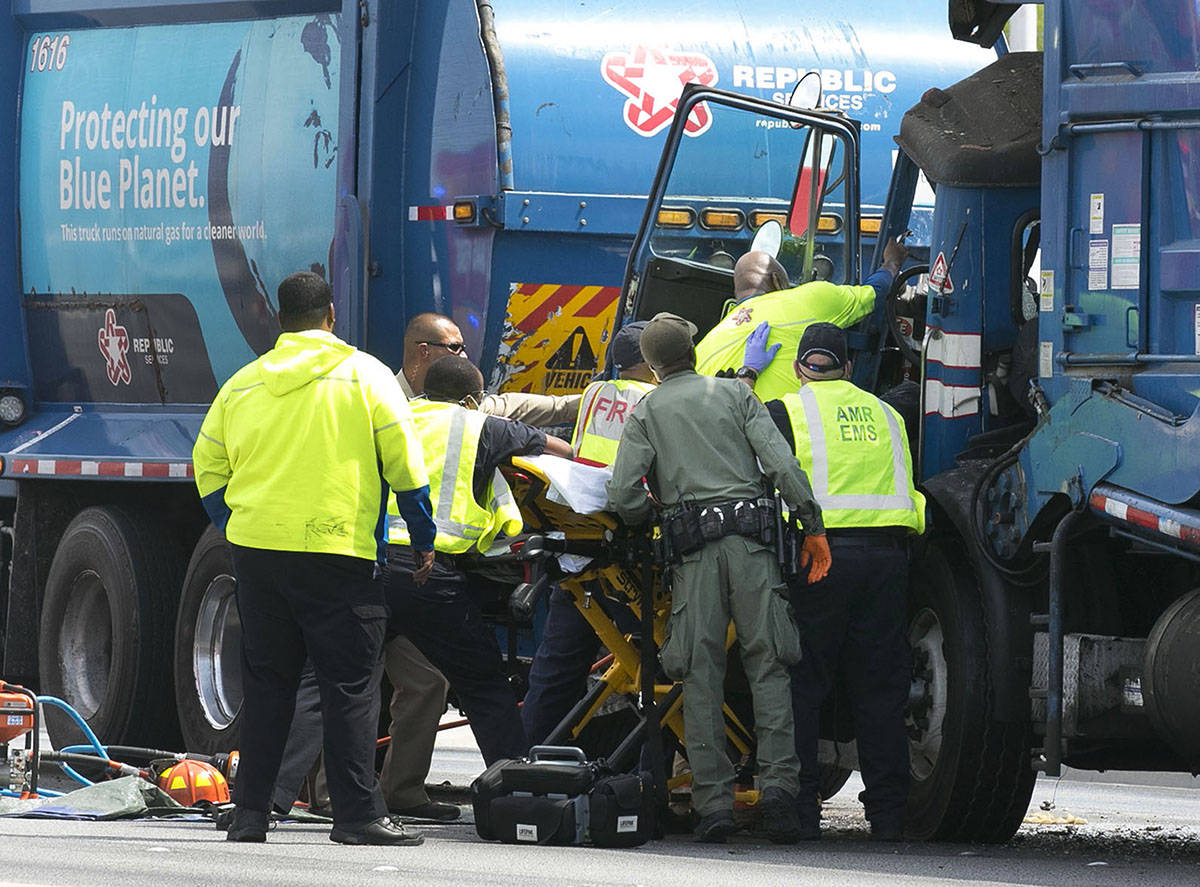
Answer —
(555, 336)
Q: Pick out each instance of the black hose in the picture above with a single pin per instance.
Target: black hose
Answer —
(495, 60)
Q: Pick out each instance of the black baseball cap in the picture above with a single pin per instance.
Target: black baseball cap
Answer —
(626, 349)
(827, 340)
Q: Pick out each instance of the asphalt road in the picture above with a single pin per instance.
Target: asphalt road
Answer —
(1110, 832)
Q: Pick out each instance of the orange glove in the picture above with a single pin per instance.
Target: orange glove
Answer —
(814, 554)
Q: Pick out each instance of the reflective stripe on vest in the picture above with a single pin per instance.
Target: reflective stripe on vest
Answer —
(450, 437)
(602, 413)
(904, 506)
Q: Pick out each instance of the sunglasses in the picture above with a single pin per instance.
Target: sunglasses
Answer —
(473, 400)
(452, 347)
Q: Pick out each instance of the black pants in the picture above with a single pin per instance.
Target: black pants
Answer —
(564, 659)
(303, 744)
(295, 606)
(443, 619)
(852, 623)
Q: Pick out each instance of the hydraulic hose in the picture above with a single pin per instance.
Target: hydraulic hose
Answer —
(88, 734)
(495, 59)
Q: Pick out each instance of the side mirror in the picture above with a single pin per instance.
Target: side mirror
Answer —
(768, 238)
(806, 93)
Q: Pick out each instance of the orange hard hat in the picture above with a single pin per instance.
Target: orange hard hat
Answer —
(194, 782)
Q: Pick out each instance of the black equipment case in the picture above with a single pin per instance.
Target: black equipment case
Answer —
(557, 797)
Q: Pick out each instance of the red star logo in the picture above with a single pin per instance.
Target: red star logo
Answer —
(742, 315)
(114, 345)
(653, 80)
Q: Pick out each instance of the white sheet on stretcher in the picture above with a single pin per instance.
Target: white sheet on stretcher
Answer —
(579, 487)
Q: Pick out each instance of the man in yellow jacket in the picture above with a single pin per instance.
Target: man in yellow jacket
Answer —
(778, 317)
(294, 461)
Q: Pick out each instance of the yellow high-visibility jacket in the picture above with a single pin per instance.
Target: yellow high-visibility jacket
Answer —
(789, 312)
(854, 449)
(450, 439)
(602, 413)
(302, 444)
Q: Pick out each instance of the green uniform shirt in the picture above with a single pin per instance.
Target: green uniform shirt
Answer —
(702, 439)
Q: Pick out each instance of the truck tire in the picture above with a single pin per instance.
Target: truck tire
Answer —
(105, 631)
(208, 640)
(971, 774)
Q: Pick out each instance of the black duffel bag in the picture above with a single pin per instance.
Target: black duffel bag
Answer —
(621, 810)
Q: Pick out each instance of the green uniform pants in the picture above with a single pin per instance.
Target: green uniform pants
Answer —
(734, 577)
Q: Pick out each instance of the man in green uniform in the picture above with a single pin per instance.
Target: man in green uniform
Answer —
(699, 442)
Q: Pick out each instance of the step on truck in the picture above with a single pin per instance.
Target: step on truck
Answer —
(171, 161)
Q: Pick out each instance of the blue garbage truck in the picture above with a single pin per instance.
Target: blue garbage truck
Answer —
(1045, 351)
(171, 161)
(1055, 612)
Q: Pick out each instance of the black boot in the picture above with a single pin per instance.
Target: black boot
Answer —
(780, 818)
(715, 827)
(248, 826)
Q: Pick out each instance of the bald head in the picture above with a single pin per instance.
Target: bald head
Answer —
(427, 337)
(756, 273)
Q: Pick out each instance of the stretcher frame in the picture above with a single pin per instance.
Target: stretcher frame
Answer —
(620, 570)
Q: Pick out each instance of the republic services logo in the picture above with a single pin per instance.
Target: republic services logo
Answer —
(114, 345)
(652, 79)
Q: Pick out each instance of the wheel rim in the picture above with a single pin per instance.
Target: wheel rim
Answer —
(216, 653)
(85, 644)
(927, 696)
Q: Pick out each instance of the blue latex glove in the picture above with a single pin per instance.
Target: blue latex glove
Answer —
(758, 355)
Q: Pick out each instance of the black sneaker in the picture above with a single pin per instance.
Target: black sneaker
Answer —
(247, 826)
(715, 827)
(380, 833)
(435, 810)
(779, 817)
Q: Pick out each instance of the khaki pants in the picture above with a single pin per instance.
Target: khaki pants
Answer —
(732, 578)
(418, 702)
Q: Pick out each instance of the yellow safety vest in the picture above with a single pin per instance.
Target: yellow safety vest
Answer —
(450, 438)
(855, 451)
(789, 312)
(602, 413)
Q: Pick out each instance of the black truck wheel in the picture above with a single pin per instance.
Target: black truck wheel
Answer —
(971, 774)
(208, 638)
(104, 640)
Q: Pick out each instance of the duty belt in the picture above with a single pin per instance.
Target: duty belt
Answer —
(688, 527)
